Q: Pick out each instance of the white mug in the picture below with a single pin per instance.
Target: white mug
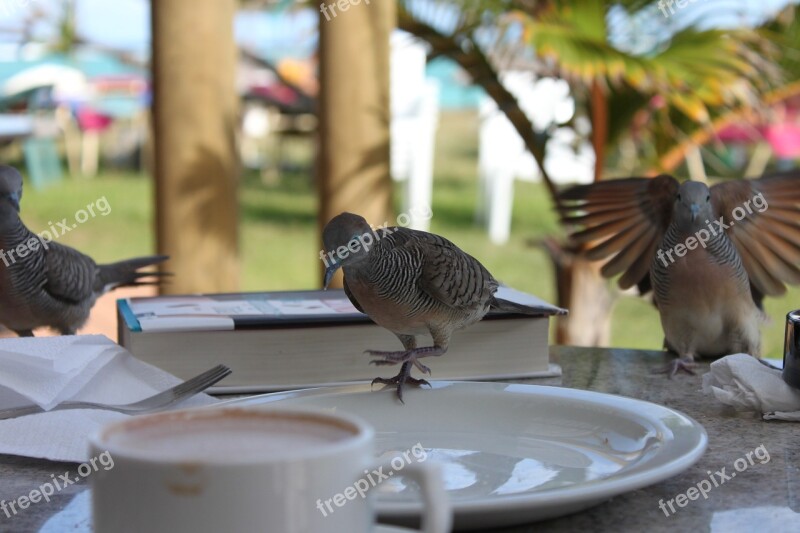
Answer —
(246, 470)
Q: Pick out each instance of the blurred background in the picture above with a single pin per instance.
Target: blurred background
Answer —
(226, 132)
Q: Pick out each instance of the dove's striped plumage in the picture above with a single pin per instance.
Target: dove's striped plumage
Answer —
(45, 283)
(709, 297)
(412, 283)
(719, 250)
(704, 299)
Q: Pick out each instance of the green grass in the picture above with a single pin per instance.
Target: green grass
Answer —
(127, 230)
(279, 239)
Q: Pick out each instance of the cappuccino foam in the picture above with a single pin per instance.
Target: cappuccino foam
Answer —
(227, 436)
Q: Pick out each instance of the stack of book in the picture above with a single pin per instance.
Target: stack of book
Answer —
(286, 340)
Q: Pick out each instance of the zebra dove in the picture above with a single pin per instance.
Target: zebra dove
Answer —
(411, 283)
(710, 255)
(43, 283)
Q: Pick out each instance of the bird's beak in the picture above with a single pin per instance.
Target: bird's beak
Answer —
(695, 209)
(14, 197)
(329, 272)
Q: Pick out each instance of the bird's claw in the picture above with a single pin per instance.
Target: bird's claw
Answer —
(390, 358)
(407, 358)
(382, 362)
(400, 380)
(422, 368)
(396, 381)
(393, 358)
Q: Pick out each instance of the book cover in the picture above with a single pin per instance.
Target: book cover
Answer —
(294, 339)
(221, 312)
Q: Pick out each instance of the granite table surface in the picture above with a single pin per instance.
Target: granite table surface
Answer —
(763, 498)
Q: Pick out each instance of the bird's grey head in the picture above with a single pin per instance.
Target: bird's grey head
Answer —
(347, 239)
(692, 204)
(10, 187)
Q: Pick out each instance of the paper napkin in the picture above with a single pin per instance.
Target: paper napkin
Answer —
(742, 382)
(49, 370)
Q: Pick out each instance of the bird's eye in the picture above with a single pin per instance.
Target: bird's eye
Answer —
(679, 197)
(708, 198)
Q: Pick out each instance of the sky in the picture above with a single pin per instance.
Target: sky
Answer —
(124, 24)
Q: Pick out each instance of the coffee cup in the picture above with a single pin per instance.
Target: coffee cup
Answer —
(247, 470)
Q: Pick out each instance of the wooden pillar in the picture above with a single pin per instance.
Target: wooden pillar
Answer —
(582, 289)
(194, 126)
(353, 158)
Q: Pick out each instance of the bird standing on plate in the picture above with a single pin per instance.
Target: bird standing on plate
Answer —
(411, 283)
(43, 283)
(710, 255)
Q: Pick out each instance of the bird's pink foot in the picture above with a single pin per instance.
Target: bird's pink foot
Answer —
(686, 364)
(405, 356)
(401, 379)
(385, 362)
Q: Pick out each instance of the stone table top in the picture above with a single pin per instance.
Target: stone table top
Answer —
(765, 497)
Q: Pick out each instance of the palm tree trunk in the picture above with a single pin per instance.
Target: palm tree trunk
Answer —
(353, 171)
(581, 288)
(194, 124)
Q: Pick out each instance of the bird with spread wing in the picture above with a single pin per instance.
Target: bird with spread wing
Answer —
(710, 255)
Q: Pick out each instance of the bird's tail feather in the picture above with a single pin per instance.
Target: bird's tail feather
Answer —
(127, 274)
(514, 307)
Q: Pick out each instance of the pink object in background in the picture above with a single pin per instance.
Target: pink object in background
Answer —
(781, 130)
(276, 93)
(736, 133)
(91, 120)
(784, 139)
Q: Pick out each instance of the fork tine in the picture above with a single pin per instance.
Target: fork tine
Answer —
(213, 377)
(196, 386)
(213, 374)
(189, 387)
(186, 389)
(208, 380)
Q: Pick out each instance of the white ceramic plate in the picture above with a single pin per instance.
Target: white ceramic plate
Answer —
(514, 453)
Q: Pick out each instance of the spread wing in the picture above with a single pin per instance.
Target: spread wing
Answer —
(623, 219)
(764, 220)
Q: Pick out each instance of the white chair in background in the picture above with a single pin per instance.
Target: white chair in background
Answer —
(503, 156)
(415, 118)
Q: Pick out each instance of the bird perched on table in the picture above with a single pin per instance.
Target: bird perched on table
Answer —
(411, 283)
(43, 283)
(709, 255)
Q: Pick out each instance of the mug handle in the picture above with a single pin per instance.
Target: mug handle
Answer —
(437, 516)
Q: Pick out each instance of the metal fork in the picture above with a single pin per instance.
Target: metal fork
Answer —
(168, 397)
